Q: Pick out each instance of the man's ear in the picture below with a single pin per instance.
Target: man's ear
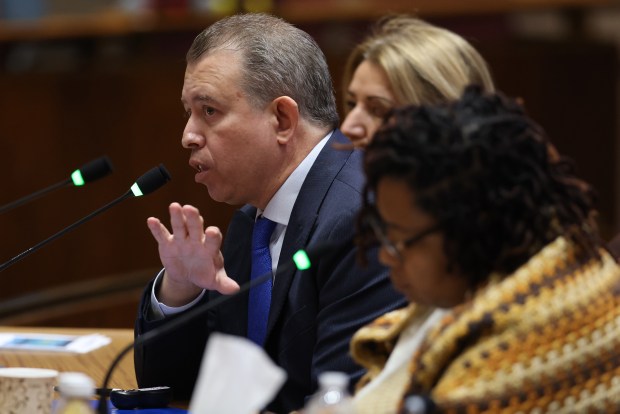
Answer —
(286, 115)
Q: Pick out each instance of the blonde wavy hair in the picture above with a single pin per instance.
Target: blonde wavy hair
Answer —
(425, 64)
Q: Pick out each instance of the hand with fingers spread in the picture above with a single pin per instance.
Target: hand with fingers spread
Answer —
(191, 256)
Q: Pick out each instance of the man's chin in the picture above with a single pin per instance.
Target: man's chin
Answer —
(221, 198)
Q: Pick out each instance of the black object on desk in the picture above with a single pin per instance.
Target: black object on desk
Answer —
(155, 397)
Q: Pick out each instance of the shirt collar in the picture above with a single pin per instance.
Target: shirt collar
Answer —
(280, 206)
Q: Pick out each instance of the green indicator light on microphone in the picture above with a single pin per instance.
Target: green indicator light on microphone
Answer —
(301, 259)
(77, 178)
(135, 189)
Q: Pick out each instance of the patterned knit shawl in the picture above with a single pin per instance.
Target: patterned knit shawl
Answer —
(544, 339)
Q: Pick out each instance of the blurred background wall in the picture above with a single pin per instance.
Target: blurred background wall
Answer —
(80, 79)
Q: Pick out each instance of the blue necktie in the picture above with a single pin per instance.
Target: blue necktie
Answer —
(260, 295)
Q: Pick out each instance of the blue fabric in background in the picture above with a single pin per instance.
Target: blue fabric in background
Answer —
(22, 9)
(114, 410)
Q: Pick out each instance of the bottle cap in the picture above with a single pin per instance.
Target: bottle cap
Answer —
(333, 379)
(76, 384)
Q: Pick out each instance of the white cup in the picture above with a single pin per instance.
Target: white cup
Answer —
(27, 390)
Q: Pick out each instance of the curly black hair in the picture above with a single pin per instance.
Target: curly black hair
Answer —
(489, 176)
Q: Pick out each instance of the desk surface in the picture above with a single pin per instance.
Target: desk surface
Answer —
(95, 363)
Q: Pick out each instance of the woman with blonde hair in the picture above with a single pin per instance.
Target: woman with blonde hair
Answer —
(404, 61)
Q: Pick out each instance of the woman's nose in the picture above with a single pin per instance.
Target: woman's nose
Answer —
(353, 126)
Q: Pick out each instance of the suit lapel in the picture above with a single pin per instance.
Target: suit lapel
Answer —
(304, 217)
(238, 261)
(238, 244)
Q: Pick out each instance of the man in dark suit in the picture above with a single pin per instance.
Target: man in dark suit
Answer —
(261, 129)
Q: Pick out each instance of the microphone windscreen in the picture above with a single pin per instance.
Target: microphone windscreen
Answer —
(151, 180)
(96, 169)
(92, 171)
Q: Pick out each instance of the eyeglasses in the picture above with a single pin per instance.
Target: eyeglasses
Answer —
(394, 249)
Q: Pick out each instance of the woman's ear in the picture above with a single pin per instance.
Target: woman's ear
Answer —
(286, 114)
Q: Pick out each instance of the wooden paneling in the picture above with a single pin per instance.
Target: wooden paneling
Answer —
(308, 11)
(50, 124)
(114, 22)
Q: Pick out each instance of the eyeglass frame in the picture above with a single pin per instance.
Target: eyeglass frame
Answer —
(394, 249)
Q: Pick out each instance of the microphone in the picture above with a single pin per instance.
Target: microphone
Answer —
(87, 173)
(302, 260)
(147, 183)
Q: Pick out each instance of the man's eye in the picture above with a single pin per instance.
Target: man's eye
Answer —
(209, 110)
(350, 104)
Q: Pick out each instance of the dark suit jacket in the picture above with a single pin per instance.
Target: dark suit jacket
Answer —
(313, 313)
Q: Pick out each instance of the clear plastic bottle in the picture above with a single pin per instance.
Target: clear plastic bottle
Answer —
(76, 390)
(417, 404)
(332, 397)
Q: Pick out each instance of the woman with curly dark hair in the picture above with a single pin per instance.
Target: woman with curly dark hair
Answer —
(515, 303)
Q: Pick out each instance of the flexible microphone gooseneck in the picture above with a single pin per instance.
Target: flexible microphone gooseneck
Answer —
(87, 173)
(147, 183)
(301, 260)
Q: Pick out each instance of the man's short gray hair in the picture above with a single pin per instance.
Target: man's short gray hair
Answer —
(278, 60)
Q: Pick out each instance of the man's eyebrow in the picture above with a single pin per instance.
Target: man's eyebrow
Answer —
(203, 98)
(200, 99)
